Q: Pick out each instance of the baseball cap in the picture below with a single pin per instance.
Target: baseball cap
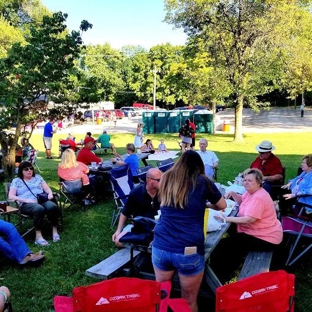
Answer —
(88, 139)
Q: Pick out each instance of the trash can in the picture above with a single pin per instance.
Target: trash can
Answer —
(99, 121)
(148, 120)
(174, 121)
(203, 120)
(226, 126)
(161, 122)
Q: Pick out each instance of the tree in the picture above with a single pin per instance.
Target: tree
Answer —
(32, 72)
(239, 37)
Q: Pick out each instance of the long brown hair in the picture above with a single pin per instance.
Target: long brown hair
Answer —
(176, 183)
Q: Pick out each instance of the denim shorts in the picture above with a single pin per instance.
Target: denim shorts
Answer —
(187, 265)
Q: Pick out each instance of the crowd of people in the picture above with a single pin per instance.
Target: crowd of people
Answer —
(179, 196)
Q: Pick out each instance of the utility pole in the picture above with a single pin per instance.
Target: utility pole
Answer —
(154, 94)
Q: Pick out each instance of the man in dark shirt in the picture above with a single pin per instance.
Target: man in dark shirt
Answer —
(142, 201)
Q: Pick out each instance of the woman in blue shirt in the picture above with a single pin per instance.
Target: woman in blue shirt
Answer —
(179, 234)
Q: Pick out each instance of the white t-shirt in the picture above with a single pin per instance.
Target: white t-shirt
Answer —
(209, 158)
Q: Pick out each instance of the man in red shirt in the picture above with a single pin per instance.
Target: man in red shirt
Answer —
(268, 164)
(193, 126)
(86, 155)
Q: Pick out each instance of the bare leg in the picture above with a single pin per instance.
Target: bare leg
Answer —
(48, 153)
(163, 276)
(189, 289)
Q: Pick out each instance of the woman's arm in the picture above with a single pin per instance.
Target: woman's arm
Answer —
(12, 196)
(241, 220)
(47, 189)
(220, 205)
(235, 196)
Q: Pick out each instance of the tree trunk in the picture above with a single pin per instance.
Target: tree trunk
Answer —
(238, 131)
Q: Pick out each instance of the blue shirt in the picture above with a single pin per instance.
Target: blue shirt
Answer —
(48, 129)
(179, 228)
(132, 161)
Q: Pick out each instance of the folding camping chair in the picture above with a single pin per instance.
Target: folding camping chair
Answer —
(122, 295)
(122, 184)
(71, 193)
(270, 292)
(13, 205)
(32, 157)
(165, 165)
(142, 172)
(297, 227)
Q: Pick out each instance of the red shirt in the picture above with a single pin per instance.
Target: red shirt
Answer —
(86, 156)
(271, 166)
(71, 144)
(192, 125)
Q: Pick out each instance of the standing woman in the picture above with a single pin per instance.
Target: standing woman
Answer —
(138, 139)
(179, 234)
(186, 132)
(24, 189)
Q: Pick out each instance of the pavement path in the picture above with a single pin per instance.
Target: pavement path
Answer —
(266, 121)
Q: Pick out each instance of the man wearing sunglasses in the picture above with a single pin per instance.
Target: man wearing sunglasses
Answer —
(142, 201)
(268, 164)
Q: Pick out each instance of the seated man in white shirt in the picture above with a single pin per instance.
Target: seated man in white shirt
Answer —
(209, 158)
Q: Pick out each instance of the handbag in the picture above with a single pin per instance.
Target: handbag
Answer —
(41, 198)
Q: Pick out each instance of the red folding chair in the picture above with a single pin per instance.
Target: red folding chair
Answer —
(265, 292)
(121, 295)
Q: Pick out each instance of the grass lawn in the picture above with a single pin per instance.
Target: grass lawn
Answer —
(86, 237)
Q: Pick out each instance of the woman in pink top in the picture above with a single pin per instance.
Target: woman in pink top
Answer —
(257, 226)
(69, 169)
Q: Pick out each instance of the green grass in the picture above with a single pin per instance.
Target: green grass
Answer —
(86, 237)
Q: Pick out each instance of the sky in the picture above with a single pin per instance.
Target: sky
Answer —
(120, 22)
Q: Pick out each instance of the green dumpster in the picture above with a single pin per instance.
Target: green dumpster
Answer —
(161, 122)
(203, 120)
(148, 121)
(174, 121)
(187, 114)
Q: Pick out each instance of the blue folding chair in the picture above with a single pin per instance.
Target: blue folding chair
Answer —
(122, 183)
(142, 172)
(165, 165)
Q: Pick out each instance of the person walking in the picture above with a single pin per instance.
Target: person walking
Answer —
(302, 109)
(47, 137)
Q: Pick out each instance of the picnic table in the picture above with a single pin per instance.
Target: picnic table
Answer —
(110, 267)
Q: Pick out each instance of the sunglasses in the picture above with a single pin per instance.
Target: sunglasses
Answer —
(28, 169)
(158, 180)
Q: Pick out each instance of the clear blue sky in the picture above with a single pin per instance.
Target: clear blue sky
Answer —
(120, 22)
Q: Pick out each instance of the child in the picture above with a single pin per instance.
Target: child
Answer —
(162, 147)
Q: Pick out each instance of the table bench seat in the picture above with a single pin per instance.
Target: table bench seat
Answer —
(256, 262)
(112, 265)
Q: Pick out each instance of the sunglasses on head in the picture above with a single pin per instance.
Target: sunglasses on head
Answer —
(28, 169)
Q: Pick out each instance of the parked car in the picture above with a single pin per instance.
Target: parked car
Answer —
(140, 110)
(220, 108)
(127, 109)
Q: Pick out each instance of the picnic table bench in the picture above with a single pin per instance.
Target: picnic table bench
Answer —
(110, 266)
(256, 262)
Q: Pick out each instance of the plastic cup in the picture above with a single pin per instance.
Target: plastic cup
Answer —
(93, 164)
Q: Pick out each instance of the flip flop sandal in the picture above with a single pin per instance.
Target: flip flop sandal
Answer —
(42, 242)
(56, 238)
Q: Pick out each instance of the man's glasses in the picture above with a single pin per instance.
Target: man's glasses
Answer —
(158, 180)
(28, 169)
